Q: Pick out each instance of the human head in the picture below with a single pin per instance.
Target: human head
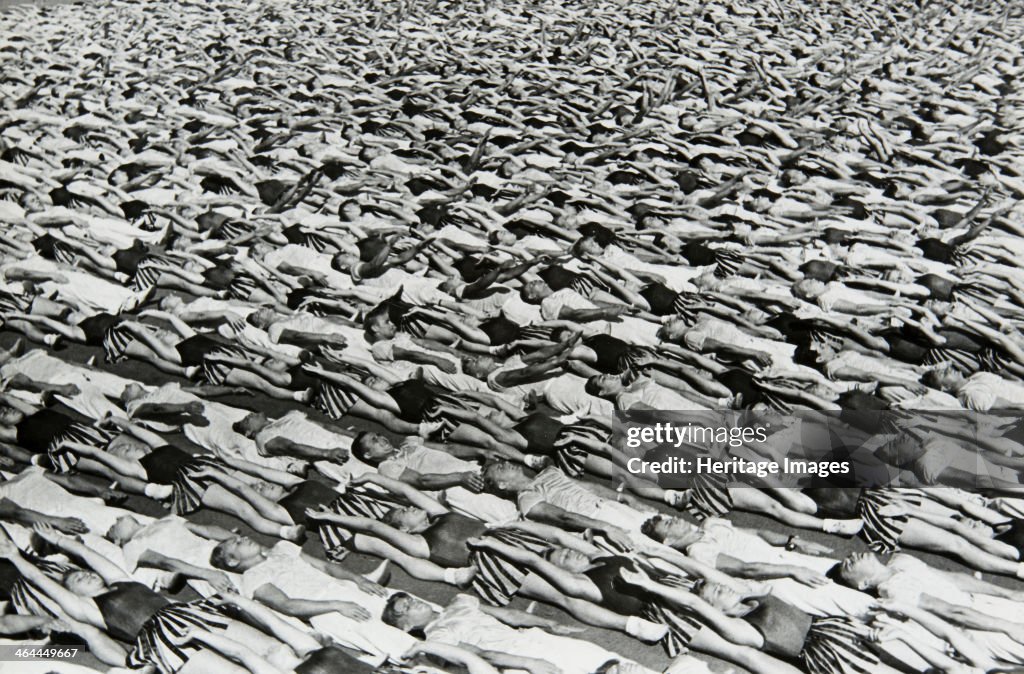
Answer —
(236, 554)
(407, 612)
(344, 262)
(862, 571)
(123, 529)
(534, 292)
(479, 366)
(450, 286)
(725, 599)
(410, 519)
(604, 385)
(808, 289)
(571, 560)
(260, 250)
(128, 447)
(503, 477)
(372, 448)
(501, 237)
(672, 531)
(253, 423)
(83, 583)
(10, 416)
(261, 318)
(349, 210)
(379, 327)
(171, 302)
(587, 246)
(673, 329)
(943, 378)
(902, 450)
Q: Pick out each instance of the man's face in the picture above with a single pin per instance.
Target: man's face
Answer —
(479, 366)
(383, 328)
(378, 447)
(501, 475)
(123, 529)
(414, 613)
(10, 416)
(252, 424)
(535, 291)
(241, 549)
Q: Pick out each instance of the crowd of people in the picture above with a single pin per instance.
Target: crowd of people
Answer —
(451, 240)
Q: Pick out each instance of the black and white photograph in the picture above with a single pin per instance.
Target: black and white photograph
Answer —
(511, 336)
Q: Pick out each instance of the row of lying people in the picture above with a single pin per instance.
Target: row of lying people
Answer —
(654, 576)
(497, 295)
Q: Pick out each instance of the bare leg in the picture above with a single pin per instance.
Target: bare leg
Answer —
(918, 534)
(414, 566)
(535, 587)
(756, 501)
(44, 307)
(794, 499)
(27, 329)
(218, 498)
(471, 435)
(253, 381)
(140, 351)
(708, 641)
(364, 410)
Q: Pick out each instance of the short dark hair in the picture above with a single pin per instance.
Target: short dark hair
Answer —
(592, 388)
(219, 556)
(390, 615)
(361, 446)
(648, 528)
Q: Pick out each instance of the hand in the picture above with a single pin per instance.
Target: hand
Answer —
(353, 611)
(7, 547)
(638, 578)
(446, 366)
(48, 533)
(644, 361)
(893, 510)
(195, 408)
(207, 472)
(187, 635)
(222, 584)
(474, 482)
(618, 537)
(808, 577)
(67, 390)
(893, 607)
(370, 587)
(762, 360)
(113, 496)
(313, 368)
(319, 513)
(68, 525)
(236, 325)
(612, 313)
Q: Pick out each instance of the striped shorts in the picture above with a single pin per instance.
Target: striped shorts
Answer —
(882, 533)
(155, 644)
